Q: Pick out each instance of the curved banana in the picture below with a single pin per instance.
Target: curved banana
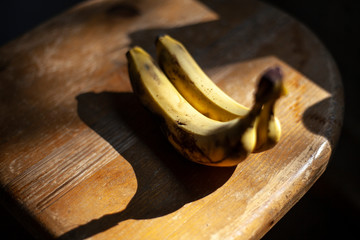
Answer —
(196, 136)
(204, 95)
(190, 80)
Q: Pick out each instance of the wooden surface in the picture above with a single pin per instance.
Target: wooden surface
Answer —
(80, 157)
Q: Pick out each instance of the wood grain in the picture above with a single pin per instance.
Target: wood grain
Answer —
(82, 158)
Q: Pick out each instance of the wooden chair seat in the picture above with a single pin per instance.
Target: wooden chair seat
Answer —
(80, 156)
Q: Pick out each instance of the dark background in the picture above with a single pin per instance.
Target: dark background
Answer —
(331, 208)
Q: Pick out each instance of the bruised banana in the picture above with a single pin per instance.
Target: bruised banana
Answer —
(197, 137)
(204, 95)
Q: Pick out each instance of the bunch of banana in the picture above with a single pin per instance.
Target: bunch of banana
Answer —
(201, 137)
(204, 95)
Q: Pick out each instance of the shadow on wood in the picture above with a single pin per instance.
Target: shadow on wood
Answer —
(315, 121)
(122, 121)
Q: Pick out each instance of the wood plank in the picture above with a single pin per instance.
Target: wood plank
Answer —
(82, 158)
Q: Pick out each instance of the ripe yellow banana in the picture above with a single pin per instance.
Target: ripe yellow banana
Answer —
(204, 95)
(196, 136)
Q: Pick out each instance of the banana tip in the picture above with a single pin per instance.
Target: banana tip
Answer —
(270, 83)
(158, 37)
(274, 74)
(277, 75)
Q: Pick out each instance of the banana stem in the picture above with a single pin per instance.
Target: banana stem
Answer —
(269, 90)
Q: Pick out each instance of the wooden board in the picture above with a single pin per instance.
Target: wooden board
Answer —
(80, 157)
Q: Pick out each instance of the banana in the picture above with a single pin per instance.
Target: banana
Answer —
(197, 137)
(204, 95)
